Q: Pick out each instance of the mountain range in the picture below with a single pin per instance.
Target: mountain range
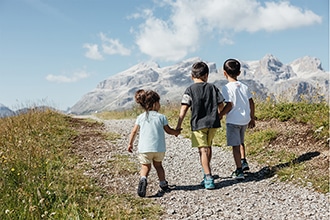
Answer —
(303, 78)
(268, 78)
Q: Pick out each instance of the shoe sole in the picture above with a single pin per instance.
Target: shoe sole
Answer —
(142, 188)
(165, 188)
(210, 187)
(209, 184)
(239, 177)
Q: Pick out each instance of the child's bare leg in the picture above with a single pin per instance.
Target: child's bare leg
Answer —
(160, 170)
(205, 154)
(237, 156)
(242, 150)
(209, 154)
(145, 169)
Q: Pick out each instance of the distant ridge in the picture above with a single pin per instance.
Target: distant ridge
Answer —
(5, 111)
(303, 78)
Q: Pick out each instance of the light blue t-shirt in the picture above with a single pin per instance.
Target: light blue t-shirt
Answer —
(152, 135)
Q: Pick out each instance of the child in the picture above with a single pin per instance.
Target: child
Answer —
(151, 146)
(239, 111)
(205, 101)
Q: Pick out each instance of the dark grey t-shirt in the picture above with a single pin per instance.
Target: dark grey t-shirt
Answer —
(203, 99)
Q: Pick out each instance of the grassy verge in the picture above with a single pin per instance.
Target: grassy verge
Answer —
(39, 178)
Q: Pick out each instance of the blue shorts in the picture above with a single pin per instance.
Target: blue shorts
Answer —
(235, 134)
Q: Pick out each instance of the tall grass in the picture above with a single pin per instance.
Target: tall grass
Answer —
(39, 178)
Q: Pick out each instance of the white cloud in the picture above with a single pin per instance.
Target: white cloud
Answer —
(192, 21)
(93, 52)
(66, 78)
(113, 46)
(170, 40)
(109, 46)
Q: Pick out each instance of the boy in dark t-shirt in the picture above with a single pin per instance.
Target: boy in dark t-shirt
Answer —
(206, 102)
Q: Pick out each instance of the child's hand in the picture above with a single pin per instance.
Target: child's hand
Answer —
(220, 116)
(252, 123)
(130, 148)
(178, 131)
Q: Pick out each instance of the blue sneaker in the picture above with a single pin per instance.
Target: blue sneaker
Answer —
(209, 183)
(203, 183)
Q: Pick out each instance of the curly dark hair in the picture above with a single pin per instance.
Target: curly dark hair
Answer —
(146, 99)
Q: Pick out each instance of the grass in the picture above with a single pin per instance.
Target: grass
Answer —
(316, 114)
(39, 178)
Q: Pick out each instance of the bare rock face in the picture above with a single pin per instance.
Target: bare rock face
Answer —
(304, 78)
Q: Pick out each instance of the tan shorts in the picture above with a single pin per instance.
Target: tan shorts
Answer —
(148, 158)
(203, 137)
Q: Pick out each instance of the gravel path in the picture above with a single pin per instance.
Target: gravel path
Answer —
(256, 197)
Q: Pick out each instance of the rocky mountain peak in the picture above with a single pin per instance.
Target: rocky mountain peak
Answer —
(307, 64)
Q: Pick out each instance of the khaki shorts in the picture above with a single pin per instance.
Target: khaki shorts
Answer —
(203, 137)
(148, 158)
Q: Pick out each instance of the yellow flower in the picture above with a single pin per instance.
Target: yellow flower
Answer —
(12, 169)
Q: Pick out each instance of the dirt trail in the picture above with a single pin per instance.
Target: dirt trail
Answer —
(259, 196)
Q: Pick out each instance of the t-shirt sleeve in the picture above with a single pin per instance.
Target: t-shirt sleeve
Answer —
(186, 98)
(225, 94)
(219, 96)
(138, 120)
(164, 120)
(249, 94)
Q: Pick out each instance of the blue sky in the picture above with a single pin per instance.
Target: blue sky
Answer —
(55, 51)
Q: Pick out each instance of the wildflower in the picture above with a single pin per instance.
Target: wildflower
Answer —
(12, 169)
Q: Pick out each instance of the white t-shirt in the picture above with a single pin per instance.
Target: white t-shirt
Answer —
(152, 134)
(238, 94)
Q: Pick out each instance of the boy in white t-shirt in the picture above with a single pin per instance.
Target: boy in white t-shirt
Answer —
(239, 111)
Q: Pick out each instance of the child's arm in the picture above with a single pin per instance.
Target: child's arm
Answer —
(252, 122)
(171, 131)
(183, 111)
(132, 138)
(226, 109)
(220, 107)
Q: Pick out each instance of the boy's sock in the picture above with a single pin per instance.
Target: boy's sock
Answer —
(243, 160)
(143, 177)
(163, 183)
(208, 176)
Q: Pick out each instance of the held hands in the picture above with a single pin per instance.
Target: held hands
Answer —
(177, 131)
